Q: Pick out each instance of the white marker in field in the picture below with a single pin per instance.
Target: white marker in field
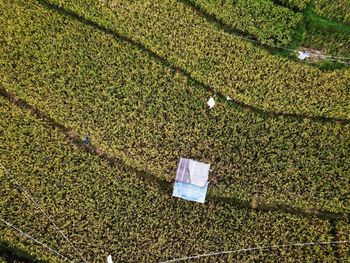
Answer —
(228, 98)
(211, 102)
(109, 259)
(303, 55)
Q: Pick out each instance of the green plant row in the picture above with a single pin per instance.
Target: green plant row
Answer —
(229, 65)
(10, 253)
(343, 233)
(297, 4)
(264, 20)
(105, 210)
(328, 37)
(149, 115)
(338, 9)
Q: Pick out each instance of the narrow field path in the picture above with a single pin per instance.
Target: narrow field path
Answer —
(163, 186)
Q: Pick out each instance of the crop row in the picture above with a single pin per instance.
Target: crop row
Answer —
(337, 9)
(343, 233)
(109, 210)
(328, 37)
(149, 115)
(295, 4)
(264, 20)
(323, 35)
(230, 65)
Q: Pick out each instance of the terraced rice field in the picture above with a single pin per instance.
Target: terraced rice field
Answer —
(137, 75)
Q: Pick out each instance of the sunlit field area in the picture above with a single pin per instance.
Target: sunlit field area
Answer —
(100, 100)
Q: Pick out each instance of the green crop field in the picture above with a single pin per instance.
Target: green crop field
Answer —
(137, 75)
(338, 9)
(299, 5)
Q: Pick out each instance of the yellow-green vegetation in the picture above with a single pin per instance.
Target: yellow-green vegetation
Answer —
(137, 76)
(336, 9)
(329, 37)
(262, 19)
(230, 65)
(148, 114)
(296, 4)
(306, 29)
(109, 210)
(343, 233)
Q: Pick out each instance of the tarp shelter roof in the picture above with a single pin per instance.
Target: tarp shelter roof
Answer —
(192, 172)
(191, 180)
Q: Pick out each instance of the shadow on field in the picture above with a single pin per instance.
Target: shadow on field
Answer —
(335, 236)
(10, 253)
(213, 19)
(285, 5)
(279, 208)
(164, 61)
(162, 185)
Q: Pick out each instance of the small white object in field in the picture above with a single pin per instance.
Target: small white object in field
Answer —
(228, 98)
(109, 259)
(303, 55)
(211, 102)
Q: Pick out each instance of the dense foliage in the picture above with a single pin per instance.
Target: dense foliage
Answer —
(139, 103)
(329, 37)
(105, 210)
(119, 94)
(11, 253)
(296, 4)
(262, 19)
(230, 65)
(335, 9)
(343, 233)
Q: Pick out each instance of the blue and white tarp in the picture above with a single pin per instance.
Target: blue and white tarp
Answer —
(191, 181)
(190, 192)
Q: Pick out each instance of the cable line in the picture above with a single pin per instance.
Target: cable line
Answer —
(48, 217)
(259, 248)
(328, 57)
(33, 239)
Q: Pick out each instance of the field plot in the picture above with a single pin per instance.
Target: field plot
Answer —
(329, 38)
(306, 27)
(110, 210)
(337, 9)
(232, 66)
(137, 75)
(299, 5)
(149, 115)
(258, 18)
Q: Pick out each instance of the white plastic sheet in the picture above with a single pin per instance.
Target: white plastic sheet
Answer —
(303, 55)
(109, 259)
(211, 102)
(199, 173)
